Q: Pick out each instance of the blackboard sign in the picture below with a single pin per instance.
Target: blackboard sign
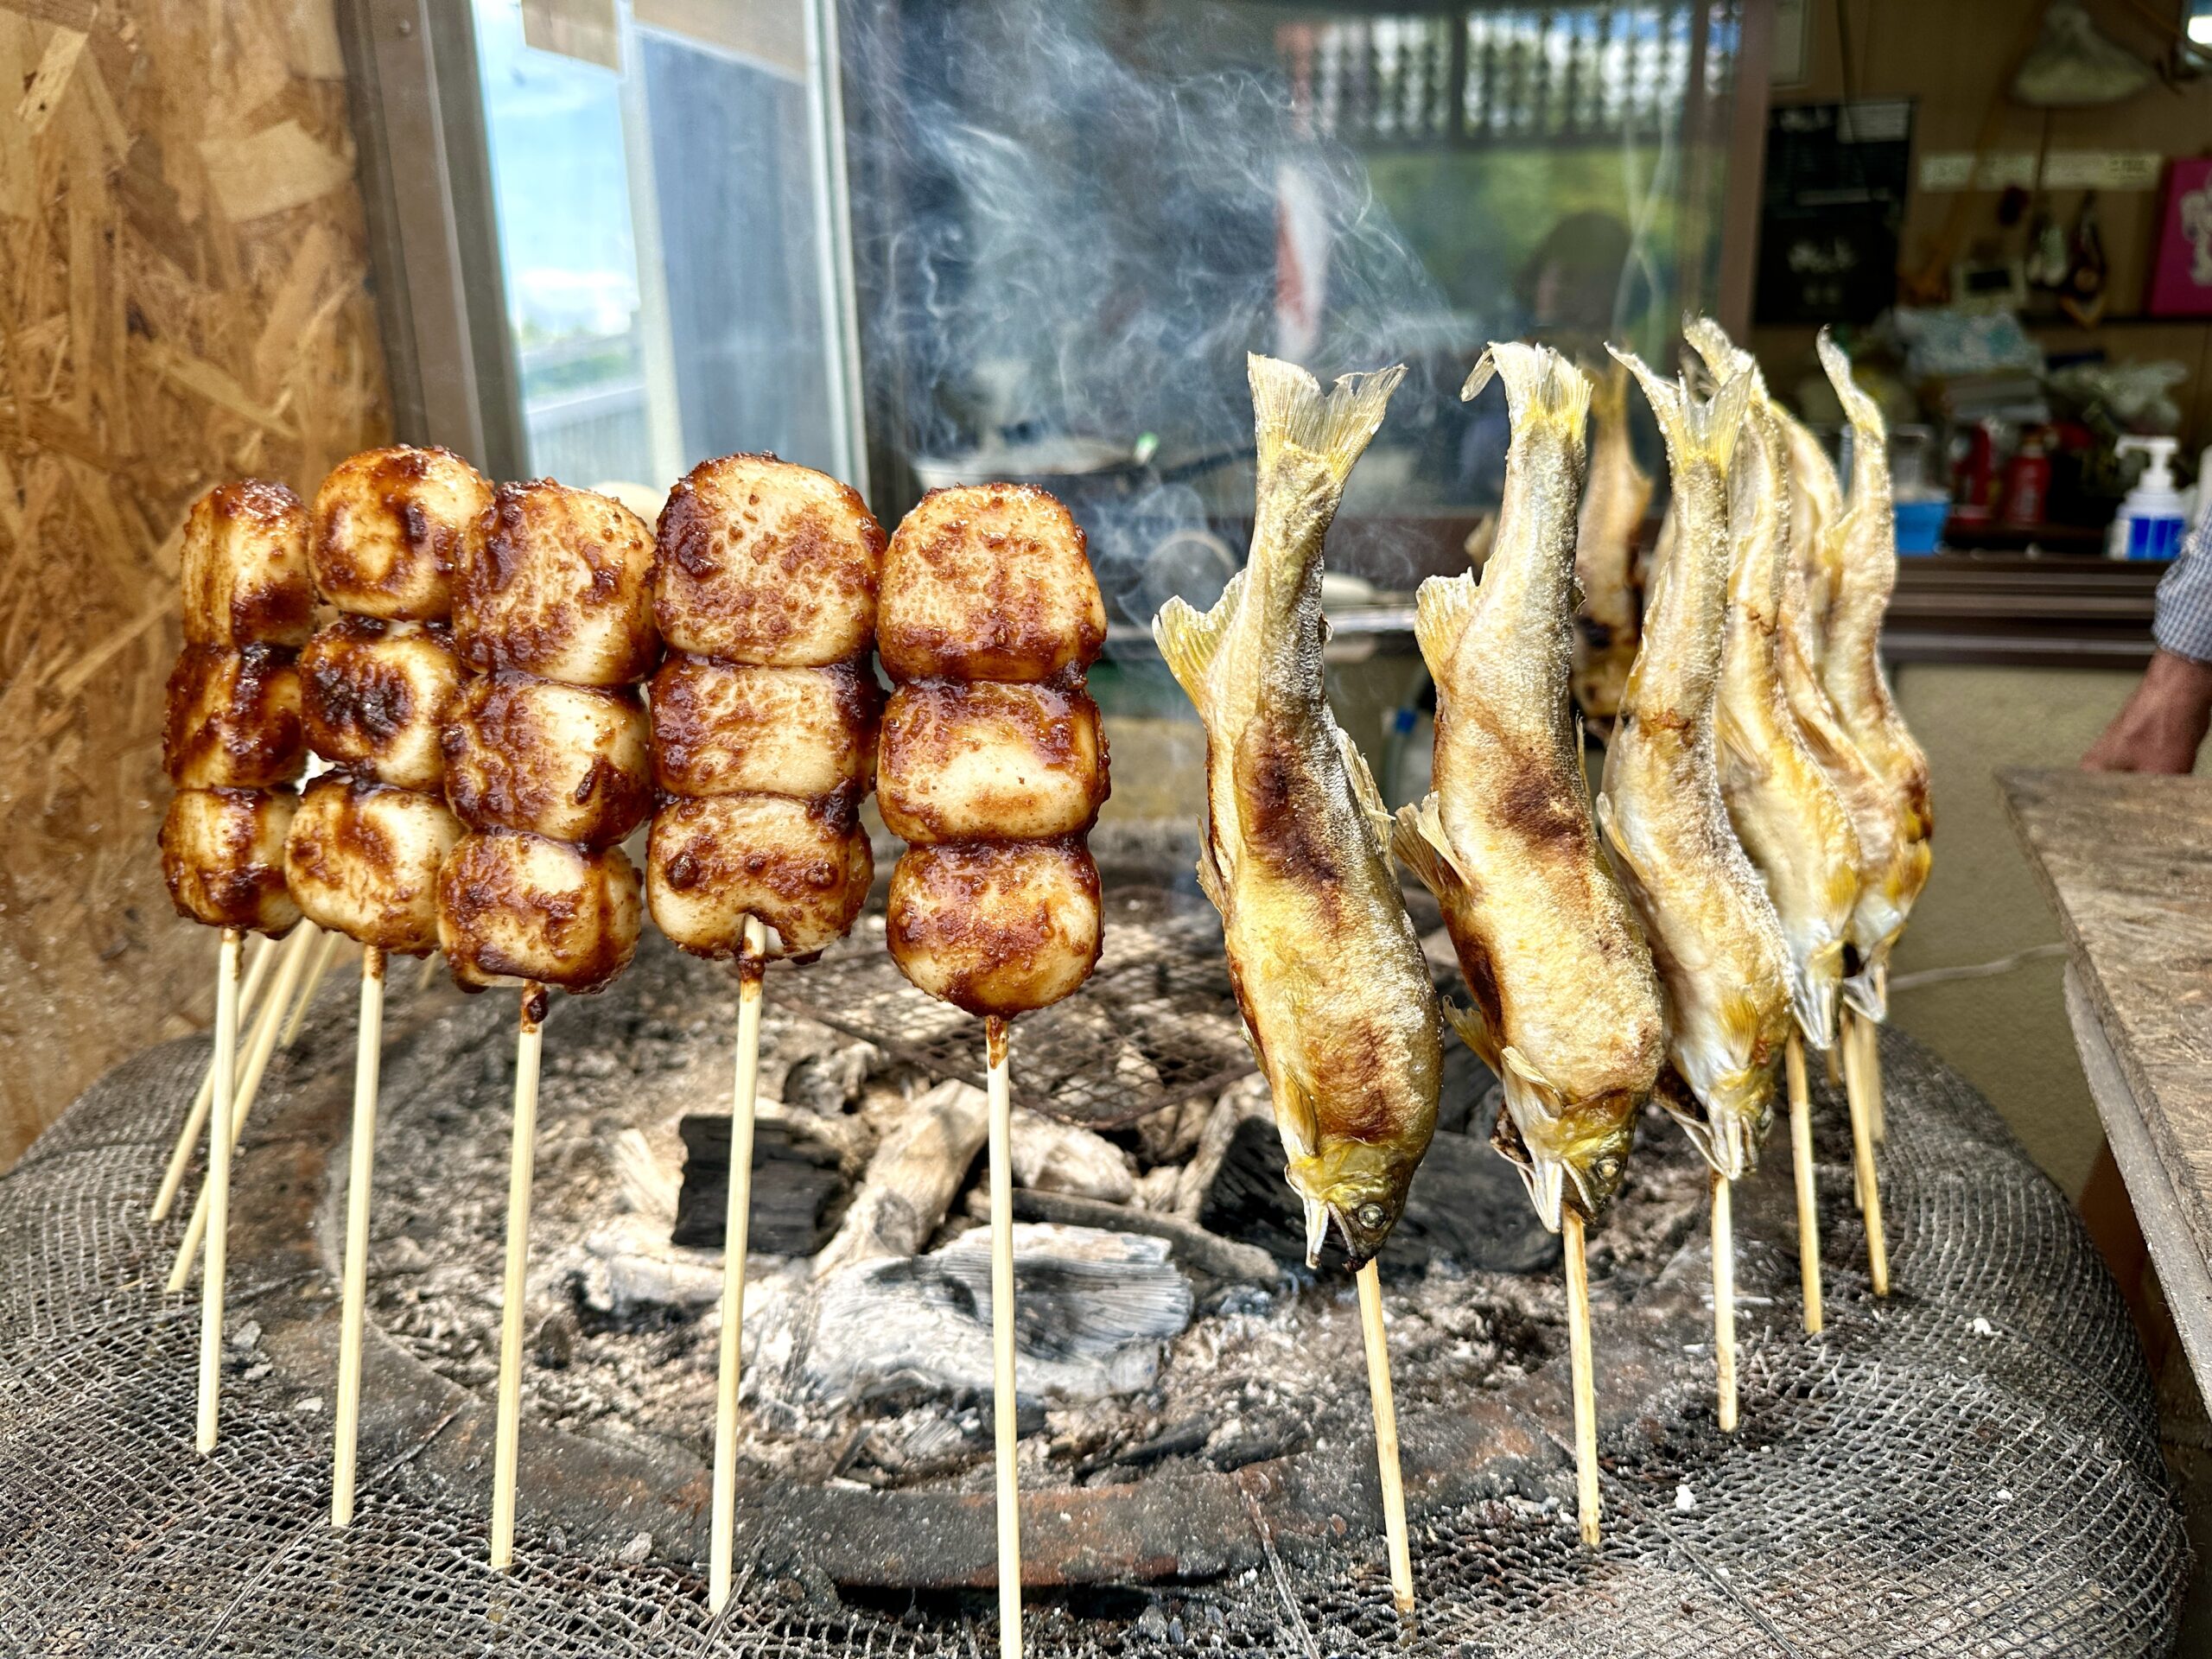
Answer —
(1831, 209)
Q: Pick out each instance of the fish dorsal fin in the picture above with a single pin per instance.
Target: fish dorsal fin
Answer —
(1190, 640)
(1364, 795)
(1442, 609)
(1290, 411)
(1417, 837)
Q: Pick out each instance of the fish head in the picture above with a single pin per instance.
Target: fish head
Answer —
(1739, 1108)
(1360, 1186)
(1582, 1157)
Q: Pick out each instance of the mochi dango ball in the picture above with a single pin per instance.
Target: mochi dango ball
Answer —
(512, 906)
(803, 867)
(223, 857)
(571, 762)
(390, 529)
(244, 568)
(728, 728)
(558, 583)
(363, 858)
(234, 718)
(989, 762)
(377, 695)
(996, 927)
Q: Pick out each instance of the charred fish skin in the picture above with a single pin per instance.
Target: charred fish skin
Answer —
(1328, 971)
(1786, 811)
(1714, 935)
(1851, 665)
(1568, 1008)
(1615, 498)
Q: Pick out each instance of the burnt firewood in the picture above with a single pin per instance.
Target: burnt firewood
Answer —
(800, 1186)
(1467, 1205)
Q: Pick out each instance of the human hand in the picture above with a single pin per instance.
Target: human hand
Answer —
(2164, 722)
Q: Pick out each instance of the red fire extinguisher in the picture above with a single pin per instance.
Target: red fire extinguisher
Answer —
(2027, 482)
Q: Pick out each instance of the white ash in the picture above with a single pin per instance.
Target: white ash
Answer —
(624, 1327)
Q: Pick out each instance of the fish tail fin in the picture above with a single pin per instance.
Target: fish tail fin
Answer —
(1189, 638)
(1541, 387)
(1289, 411)
(1694, 429)
(1442, 608)
(1865, 414)
(1710, 341)
(1365, 794)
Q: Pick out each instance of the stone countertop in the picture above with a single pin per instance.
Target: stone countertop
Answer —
(2126, 863)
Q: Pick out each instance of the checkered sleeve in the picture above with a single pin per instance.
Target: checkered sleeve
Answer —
(2183, 624)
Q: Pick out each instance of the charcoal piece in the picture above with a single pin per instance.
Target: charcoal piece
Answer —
(800, 1191)
(1468, 1102)
(1467, 1205)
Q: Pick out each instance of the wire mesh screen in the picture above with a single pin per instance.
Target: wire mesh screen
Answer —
(1968, 1468)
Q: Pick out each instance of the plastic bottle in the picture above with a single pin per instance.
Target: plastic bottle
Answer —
(2151, 522)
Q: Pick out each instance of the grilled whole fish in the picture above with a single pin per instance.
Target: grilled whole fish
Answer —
(1567, 1002)
(1328, 972)
(1788, 814)
(1714, 935)
(1614, 501)
(1851, 662)
(1815, 509)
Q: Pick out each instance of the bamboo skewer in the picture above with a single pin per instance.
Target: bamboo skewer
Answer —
(264, 1045)
(1386, 1436)
(1809, 1209)
(196, 1121)
(430, 972)
(1858, 1039)
(529, 1047)
(331, 941)
(1724, 1299)
(367, 1059)
(752, 965)
(219, 1184)
(1877, 1122)
(1587, 1512)
(1004, 1412)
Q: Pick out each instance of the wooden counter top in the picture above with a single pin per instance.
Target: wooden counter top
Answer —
(2126, 861)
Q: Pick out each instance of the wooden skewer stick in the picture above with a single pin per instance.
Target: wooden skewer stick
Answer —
(1858, 1039)
(1386, 1436)
(752, 965)
(1808, 1208)
(430, 972)
(1003, 1407)
(196, 1121)
(218, 1182)
(1586, 1385)
(298, 948)
(367, 1058)
(530, 1036)
(1724, 1299)
(1876, 1123)
(331, 941)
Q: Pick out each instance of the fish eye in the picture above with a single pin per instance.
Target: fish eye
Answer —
(1370, 1216)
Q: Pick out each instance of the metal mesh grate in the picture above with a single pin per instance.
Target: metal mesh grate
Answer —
(1904, 1485)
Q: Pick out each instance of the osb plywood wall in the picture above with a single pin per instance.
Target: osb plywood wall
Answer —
(182, 300)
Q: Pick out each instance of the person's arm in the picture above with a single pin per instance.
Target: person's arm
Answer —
(2166, 718)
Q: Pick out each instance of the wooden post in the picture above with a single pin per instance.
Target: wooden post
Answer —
(752, 965)
(1004, 1412)
(529, 1047)
(1809, 1209)
(219, 1185)
(1587, 1511)
(1386, 1436)
(367, 1058)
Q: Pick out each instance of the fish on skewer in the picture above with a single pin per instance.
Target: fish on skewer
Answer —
(1786, 809)
(1568, 1008)
(1328, 971)
(1614, 501)
(1865, 562)
(1714, 934)
(1715, 937)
